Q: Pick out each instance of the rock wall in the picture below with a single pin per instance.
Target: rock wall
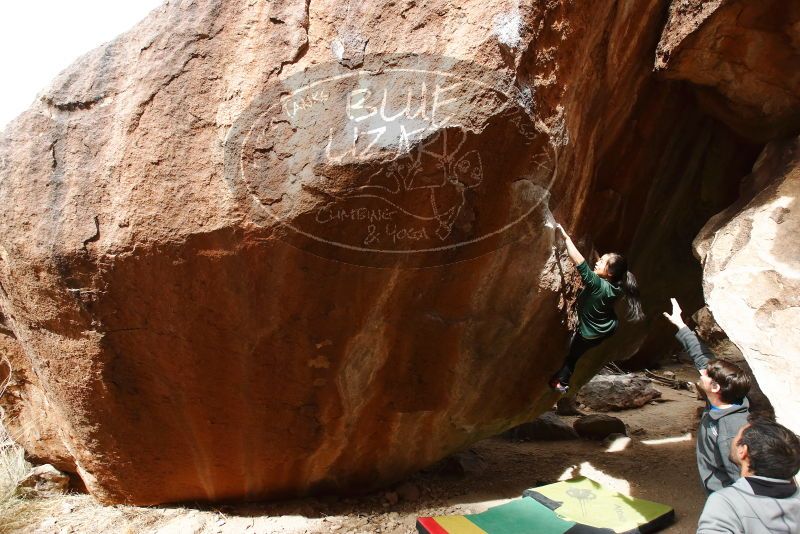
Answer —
(742, 58)
(185, 272)
(751, 274)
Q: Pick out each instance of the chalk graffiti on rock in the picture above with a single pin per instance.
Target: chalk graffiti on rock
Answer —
(391, 159)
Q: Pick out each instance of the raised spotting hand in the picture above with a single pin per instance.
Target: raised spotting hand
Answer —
(675, 317)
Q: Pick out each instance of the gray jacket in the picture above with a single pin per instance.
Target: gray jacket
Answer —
(736, 509)
(717, 427)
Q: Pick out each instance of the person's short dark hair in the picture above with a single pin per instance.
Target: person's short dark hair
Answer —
(734, 382)
(774, 450)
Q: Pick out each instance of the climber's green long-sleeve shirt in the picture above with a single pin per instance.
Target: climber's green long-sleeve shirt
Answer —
(596, 316)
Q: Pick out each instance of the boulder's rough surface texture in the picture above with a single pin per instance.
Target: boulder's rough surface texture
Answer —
(712, 334)
(751, 274)
(743, 59)
(617, 392)
(186, 279)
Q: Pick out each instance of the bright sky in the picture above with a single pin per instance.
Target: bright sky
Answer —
(40, 38)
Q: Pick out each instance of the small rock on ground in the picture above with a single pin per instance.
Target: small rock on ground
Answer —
(617, 392)
(44, 481)
(546, 427)
(599, 426)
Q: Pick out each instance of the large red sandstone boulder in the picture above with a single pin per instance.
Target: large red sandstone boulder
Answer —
(220, 282)
(191, 341)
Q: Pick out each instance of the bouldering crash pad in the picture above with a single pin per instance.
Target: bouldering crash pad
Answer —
(578, 505)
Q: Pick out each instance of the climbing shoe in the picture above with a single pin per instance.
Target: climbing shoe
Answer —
(556, 385)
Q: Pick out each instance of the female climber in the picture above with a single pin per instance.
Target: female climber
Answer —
(596, 318)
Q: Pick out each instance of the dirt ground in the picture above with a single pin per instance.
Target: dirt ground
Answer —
(648, 467)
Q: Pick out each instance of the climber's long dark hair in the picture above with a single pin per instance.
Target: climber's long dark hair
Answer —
(619, 274)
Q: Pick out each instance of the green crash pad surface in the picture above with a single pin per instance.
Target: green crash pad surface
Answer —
(579, 505)
(587, 502)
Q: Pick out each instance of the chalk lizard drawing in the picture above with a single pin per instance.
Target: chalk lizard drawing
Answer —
(430, 183)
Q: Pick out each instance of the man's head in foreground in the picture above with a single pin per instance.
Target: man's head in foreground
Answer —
(767, 449)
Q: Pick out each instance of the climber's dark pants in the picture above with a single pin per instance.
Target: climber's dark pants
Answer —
(578, 346)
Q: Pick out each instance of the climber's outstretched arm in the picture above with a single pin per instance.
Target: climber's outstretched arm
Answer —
(576, 257)
(698, 351)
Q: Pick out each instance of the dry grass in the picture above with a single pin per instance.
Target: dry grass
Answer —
(21, 515)
(15, 512)
(78, 514)
(83, 514)
(13, 466)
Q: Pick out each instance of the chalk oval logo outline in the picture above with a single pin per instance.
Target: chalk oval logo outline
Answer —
(399, 157)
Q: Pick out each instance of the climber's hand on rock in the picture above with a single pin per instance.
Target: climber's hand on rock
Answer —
(675, 316)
